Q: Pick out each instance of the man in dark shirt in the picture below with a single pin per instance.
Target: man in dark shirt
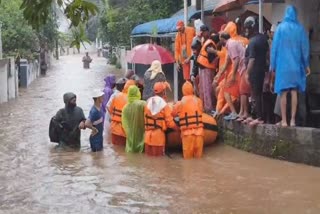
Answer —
(256, 60)
(72, 119)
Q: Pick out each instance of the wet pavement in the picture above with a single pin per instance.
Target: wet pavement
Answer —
(36, 178)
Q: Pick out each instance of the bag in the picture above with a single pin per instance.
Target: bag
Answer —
(54, 130)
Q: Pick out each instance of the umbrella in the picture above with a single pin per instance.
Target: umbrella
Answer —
(225, 5)
(146, 53)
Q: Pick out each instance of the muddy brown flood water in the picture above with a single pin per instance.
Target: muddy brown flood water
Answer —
(37, 178)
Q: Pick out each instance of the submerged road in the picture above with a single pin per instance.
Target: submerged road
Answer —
(36, 178)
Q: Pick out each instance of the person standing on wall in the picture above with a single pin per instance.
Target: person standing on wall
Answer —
(256, 55)
(183, 52)
(290, 62)
(207, 64)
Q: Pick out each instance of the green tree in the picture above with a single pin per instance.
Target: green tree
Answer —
(38, 12)
(93, 22)
(123, 15)
(48, 33)
(17, 35)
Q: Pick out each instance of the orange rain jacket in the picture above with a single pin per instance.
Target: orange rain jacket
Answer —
(116, 107)
(156, 123)
(184, 41)
(189, 110)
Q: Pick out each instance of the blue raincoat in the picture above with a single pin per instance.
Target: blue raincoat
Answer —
(290, 53)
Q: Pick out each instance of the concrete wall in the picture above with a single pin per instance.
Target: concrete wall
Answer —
(29, 71)
(121, 54)
(3, 81)
(300, 145)
(13, 81)
(8, 80)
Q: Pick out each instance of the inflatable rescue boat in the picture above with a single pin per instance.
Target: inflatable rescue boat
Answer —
(210, 132)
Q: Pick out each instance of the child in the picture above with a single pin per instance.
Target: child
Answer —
(95, 122)
(196, 46)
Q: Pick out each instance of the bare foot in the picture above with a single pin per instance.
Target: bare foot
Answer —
(284, 124)
(292, 123)
(248, 120)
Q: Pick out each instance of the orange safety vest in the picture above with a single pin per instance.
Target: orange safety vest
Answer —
(119, 101)
(190, 115)
(203, 55)
(152, 122)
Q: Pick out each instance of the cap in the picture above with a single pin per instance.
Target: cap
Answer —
(97, 93)
(121, 81)
(204, 28)
(180, 24)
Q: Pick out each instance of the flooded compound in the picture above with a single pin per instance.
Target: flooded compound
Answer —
(37, 178)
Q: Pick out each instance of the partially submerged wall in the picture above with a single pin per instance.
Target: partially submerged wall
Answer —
(8, 80)
(300, 145)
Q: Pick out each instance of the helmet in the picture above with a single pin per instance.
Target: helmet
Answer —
(250, 22)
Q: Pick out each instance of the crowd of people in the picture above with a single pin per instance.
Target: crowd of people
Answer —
(231, 74)
(247, 77)
(120, 116)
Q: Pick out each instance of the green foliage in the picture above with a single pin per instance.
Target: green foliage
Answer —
(37, 12)
(79, 37)
(93, 23)
(48, 33)
(17, 36)
(122, 16)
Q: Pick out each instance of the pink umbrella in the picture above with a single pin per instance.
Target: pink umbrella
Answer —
(146, 53)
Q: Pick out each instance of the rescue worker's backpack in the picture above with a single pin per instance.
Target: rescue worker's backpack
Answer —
(54, 130)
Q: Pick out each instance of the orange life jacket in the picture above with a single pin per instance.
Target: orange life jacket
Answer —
(120, 100)
(152, 122)
(190, 115)
(203, 55)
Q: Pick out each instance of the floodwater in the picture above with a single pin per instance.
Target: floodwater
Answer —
(36, 178)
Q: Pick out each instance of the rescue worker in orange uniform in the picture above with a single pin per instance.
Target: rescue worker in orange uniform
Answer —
(190, 110)
(158, 118)
(118, 136)
(231, 85)
(182, 51)
(220, 80)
